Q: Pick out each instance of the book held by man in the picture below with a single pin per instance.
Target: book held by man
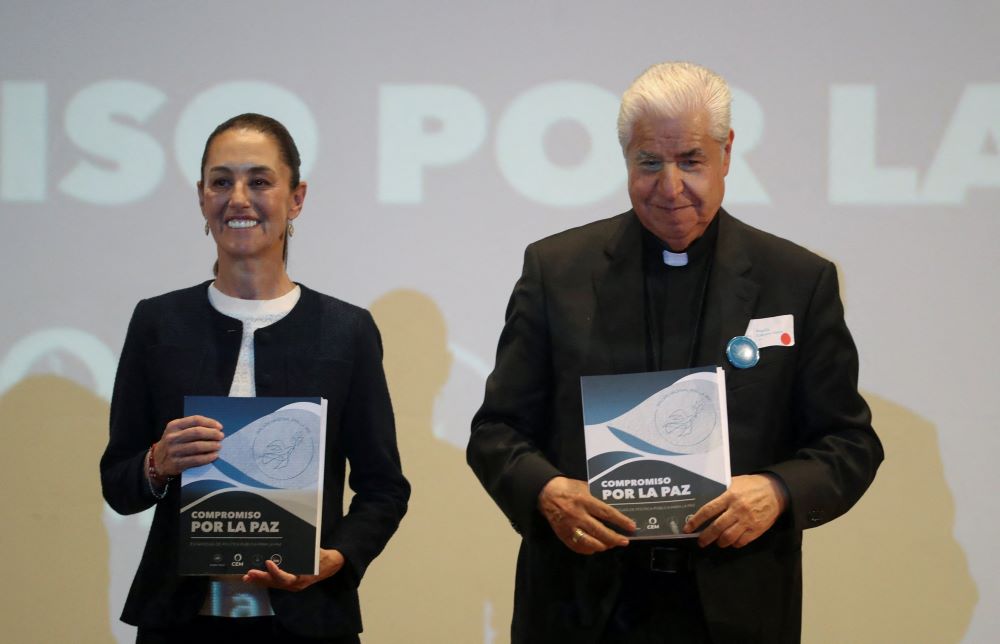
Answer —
(263, 497)
(657, 445)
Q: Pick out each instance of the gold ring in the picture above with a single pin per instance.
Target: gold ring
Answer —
(577, 535)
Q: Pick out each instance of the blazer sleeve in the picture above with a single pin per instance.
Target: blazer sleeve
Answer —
(381, 492)
(510, 430)
(123, 480)
(837, 452)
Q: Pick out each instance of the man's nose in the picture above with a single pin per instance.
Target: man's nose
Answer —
(671, 182)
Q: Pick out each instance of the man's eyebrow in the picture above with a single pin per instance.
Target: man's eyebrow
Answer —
(693, 152)
(643, 155)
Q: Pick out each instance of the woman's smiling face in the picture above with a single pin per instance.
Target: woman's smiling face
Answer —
(246, 194)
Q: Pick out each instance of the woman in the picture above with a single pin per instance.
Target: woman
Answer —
(251, 331)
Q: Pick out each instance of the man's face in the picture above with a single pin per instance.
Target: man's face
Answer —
(676, 176)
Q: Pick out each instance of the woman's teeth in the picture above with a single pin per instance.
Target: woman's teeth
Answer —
(241, 223)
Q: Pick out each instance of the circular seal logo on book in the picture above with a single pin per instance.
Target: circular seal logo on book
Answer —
(685, 420)
(283, 448)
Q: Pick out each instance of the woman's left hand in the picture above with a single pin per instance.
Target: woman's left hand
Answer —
(330, 561)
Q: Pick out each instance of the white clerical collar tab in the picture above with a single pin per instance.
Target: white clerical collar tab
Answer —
(675, 259)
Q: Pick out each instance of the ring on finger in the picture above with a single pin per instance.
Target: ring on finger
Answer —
(577, 535)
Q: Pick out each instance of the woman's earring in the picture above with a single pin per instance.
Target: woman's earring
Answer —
(290, 229)
(206, 227)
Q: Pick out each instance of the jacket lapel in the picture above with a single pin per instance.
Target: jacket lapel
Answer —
(220, 353)
(618, 342)
(731, 295)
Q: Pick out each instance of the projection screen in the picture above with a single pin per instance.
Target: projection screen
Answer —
(438, 139)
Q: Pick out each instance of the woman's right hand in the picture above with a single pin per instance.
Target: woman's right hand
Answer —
(187, 442)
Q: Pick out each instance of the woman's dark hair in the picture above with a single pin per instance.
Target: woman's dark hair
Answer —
(266, 125)
(277, 131)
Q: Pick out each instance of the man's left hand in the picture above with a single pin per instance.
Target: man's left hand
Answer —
(330, 561)
(742, 513)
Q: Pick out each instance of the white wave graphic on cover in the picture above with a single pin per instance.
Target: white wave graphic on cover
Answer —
(681, 419)
(281, 450)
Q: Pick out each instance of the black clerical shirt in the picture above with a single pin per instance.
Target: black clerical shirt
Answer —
(675, 300)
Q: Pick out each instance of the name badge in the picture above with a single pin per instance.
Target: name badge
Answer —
(777, 331)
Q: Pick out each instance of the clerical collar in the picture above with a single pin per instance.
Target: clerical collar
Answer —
(696, 251)
(675, 259)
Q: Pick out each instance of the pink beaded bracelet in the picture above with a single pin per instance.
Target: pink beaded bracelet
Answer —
(153, 476)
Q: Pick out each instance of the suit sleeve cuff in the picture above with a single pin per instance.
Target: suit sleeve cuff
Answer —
(802, 509)
(526, 483)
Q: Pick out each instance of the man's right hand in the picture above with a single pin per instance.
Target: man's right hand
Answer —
(578, 518)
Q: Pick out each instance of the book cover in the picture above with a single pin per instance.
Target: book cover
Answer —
(262, 498)
(657, 445)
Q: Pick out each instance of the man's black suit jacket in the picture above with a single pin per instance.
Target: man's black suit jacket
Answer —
(578, 309)
(178, 345)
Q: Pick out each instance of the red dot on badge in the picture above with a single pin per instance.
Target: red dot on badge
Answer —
(786, 339)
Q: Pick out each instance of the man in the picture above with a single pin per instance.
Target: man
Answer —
(666, 285)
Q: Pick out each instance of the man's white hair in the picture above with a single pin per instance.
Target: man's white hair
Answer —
(672, 89)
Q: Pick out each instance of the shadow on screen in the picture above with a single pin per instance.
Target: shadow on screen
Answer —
(55, 544)
(447, 575)
(891, 570)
